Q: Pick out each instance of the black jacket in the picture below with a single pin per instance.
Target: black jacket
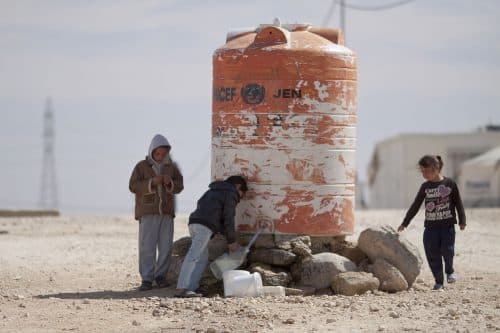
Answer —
(216, 209)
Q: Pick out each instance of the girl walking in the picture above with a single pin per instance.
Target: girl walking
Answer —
(442, 205)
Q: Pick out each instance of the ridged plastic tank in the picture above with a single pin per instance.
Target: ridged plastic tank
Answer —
(284, 115)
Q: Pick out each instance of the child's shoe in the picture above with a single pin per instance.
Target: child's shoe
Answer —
(437, 286)
(161, 282)
(146, 285)
(184, 293)
(451, 278)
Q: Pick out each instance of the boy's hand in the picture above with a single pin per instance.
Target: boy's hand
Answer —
(462, 226)
(157, 180)
(401, 228)
(233, 247)
(167, 181)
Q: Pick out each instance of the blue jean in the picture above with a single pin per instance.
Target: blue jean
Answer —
(439, 245)
(196, 259)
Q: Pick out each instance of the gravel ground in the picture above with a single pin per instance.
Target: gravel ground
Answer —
(79, 274)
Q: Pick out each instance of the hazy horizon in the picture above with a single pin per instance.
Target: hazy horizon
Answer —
(119, 72)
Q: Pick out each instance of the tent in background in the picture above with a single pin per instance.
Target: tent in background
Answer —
(479, 180)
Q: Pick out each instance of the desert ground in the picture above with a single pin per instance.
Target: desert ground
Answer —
(79, 274)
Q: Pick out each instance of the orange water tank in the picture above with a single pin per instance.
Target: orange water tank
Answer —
(284, 115)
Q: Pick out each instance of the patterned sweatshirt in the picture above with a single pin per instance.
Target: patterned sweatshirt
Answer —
(442, 203)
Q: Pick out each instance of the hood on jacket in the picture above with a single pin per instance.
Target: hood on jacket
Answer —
(158, 141)
(224, 186)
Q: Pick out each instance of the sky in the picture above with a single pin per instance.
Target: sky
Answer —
(120, 71)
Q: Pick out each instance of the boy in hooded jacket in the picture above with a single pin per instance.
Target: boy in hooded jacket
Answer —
(214, 214)
(154, 181)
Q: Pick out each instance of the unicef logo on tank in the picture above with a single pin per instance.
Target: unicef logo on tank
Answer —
(253, 93)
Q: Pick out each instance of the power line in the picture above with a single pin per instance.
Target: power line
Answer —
(329, 14)
(377, 8)
(202, 164)
(343, 5)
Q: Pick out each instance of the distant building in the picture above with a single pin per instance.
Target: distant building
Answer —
(393, 174)
(479, 180)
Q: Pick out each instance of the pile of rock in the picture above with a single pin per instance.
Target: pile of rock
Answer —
(381, 260)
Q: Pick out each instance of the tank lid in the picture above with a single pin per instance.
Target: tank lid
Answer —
(236, 32)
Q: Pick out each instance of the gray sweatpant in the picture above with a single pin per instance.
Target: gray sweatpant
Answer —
(155, 232)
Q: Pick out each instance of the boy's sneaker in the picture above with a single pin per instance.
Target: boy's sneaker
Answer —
(451, 278)
(183, 293)
(161, 283)
(145, 285)
(437, 286)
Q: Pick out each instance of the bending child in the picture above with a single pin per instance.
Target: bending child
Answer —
(214, 214)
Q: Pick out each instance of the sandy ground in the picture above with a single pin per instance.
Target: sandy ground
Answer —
(79, 274)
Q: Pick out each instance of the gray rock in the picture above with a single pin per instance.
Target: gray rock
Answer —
(271, 276)
(326, 244)
(391, 279)
(275, 257)
(322, 268)
(265, 241)
(181, 246)
(283, 241)
(216, 247)
(386, 243)
(174, 269)
(354, 283)
(352, 252)
(295, 292)
(306, 290)
(301, 249)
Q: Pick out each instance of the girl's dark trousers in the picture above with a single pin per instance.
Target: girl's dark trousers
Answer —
(439, 244)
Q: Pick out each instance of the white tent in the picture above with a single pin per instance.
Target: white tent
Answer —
(479, 180)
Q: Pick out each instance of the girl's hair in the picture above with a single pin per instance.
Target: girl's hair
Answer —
(431, 161)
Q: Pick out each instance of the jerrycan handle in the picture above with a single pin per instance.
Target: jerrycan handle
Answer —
(272, 35)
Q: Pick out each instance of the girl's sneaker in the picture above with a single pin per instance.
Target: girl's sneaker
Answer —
(451, 278)
(438, 286)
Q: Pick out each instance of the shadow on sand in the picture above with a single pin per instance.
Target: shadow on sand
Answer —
(112, 294)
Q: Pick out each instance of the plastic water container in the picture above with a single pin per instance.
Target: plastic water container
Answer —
(227, 262)
(273, 291)
(241, 283)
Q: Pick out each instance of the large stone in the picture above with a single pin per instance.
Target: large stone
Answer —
(301, 249)
(276, 257)
(263, 241)
(174, 269)
(352, 252)
(271, 276)
(217, 246)
(386, 243)
(284, 241)
(319, 271)
(181, 246)
(354, 283)
(320, 244)
(391, 279)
